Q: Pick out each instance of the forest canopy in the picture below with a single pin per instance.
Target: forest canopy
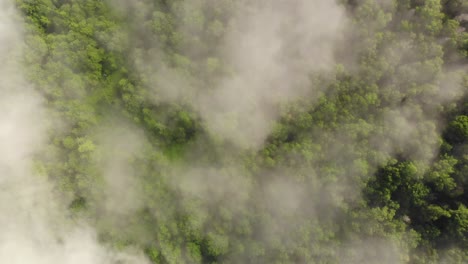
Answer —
(234, 131)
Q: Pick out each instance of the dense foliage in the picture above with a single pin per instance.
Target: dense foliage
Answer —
(372, 168)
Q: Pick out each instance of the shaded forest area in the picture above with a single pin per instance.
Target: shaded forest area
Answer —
(213, 131)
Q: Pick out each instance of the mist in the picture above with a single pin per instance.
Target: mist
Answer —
(246, 182)
(35, 225)
(273, 50)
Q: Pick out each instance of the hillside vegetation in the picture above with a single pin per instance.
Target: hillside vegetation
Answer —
(234, 131)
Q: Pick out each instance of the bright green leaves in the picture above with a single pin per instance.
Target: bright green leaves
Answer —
(216, 244)
(163, 25)
(396, 182)
(424, 203)
(153, 254)
(69, 143)
(441, 174)
(460, 224)
(37, 12)
(85, 146)
(458, 130)
(194, 253)
(330, 143)
(431, 16)
(434, 212)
